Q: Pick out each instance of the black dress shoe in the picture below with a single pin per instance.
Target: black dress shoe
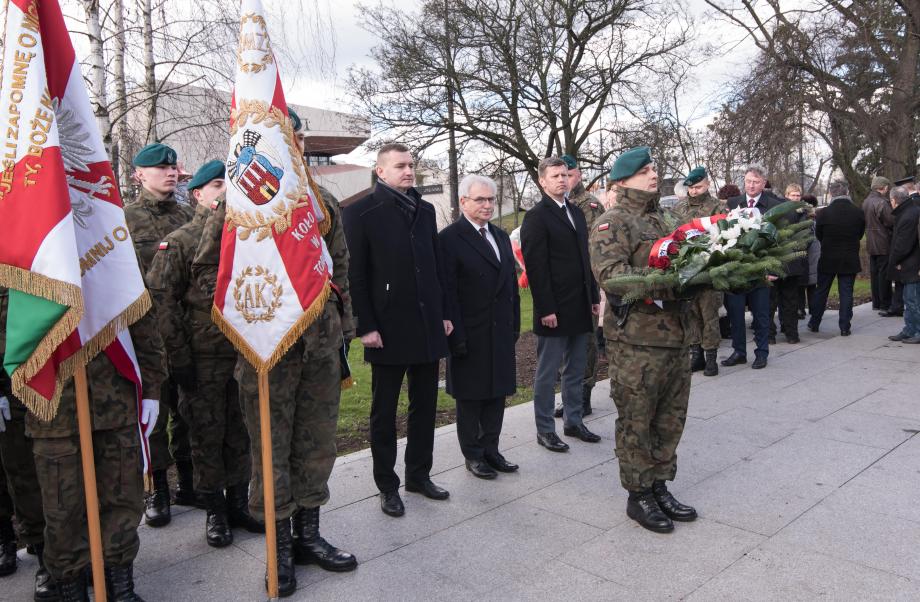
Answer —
(391, 503)
(644, 509)
(793, 339)
(734, 359)
(812, 326)
(552, 442)
(499, 463)
(759, 362)
(897, 337)
(481, 469)
(887, 313)
(428, 489)
(670, 506)
(845, 333)
(581, 432)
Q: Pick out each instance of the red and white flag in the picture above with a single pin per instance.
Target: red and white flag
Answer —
(67, 257)
(275, 270)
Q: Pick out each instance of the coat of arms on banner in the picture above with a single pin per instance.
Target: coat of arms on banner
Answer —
(255, 171)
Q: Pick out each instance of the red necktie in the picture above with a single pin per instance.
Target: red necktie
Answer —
(751, 203)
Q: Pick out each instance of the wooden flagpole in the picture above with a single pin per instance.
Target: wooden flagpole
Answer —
(89, 482)
(268, 486)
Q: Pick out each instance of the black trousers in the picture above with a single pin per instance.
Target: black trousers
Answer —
(479, 424)
(897, 298)
(386, 382)
(881, 285)
(845, 283)
(784, 296)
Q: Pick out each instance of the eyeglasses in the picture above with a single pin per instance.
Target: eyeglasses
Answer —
(479, 200)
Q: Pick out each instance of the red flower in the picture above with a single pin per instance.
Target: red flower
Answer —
(660, 263)
(673, 249)
(679, 236)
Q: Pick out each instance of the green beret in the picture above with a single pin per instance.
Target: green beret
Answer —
(630, 162)
(295, 118)
(207, 172)
(155, 154)
(570, 161)
(696, 175)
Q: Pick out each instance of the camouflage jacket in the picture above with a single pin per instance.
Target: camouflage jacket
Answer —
(184, 310)
(704, 205)
(205, 264)
(113, 398)
(620, 243)
(150, 220)
(588, 203)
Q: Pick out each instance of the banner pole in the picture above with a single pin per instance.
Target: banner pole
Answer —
(268, 486)
(89, 482)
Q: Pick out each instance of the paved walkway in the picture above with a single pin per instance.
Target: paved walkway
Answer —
(806, 476)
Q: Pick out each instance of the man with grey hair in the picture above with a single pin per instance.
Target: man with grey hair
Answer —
(482, 297)
(756, 199)
(904, 260)
(879, 223)
(838, 227)
(554, 239)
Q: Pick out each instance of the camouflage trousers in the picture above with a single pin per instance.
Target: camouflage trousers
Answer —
(217, 434)
(169, 439)
(121, 498)
(650, 390)
(304, 390)
(21, 485)
(704, 320)
(591, 357)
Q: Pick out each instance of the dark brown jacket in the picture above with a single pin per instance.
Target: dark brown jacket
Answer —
(879, 223)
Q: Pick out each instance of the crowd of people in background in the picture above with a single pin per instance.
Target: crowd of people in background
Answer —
(414, 296)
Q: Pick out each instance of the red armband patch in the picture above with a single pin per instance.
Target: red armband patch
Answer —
(603, 227)
(164, 245)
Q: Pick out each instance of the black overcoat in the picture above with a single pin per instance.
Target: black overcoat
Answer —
(482, 295)
(840, 226)
(558, 268)
(904, 260)
(395, 274)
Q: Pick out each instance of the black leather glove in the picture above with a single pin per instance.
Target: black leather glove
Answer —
(185, 378)
(459, 350)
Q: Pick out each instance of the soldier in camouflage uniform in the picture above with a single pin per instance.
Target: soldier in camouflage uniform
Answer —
(593, 209)
(117, 450)
(648, 343)
(201, 360)
(704, 336)
(150, 217)
(305, 388)
(19, 490)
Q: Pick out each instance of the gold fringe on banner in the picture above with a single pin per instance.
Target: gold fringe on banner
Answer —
(290, 337)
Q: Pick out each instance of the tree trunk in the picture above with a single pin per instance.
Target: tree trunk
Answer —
(150, 80)
(121, 159)
(97, 72)
(899, 151)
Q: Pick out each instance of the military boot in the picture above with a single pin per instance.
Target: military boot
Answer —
(287, 578)
(8, 559)
(217, 529)
(238, 509)
(157, 513)
(309, 547)
(670, 506)
(185, 485)
(119, 583)
(643, 508)
(586, 400)
(712, 366)
(697, 362)
(45, 588)
(73, 589)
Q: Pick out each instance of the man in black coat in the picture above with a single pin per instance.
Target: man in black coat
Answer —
(904, 260)
(554, 240)
(758, 299)
(397, 296)
(839, 227)
(482, 294)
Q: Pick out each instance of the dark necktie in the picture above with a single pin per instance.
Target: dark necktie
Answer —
(751, 203)
(482, 232)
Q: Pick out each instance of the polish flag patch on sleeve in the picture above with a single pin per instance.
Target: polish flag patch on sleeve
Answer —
(593, 205)
(164, 245)
(603, 227)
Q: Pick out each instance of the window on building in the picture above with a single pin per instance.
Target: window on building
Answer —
(317, 159)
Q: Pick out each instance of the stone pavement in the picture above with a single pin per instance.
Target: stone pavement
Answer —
(806, 476)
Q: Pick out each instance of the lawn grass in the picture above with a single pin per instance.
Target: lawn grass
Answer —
(355, 406)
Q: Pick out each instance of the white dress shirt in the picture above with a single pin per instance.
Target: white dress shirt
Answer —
(491, 239)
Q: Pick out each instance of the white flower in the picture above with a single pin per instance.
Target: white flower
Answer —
(731, 233)
(751, 223)
(731, 243)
